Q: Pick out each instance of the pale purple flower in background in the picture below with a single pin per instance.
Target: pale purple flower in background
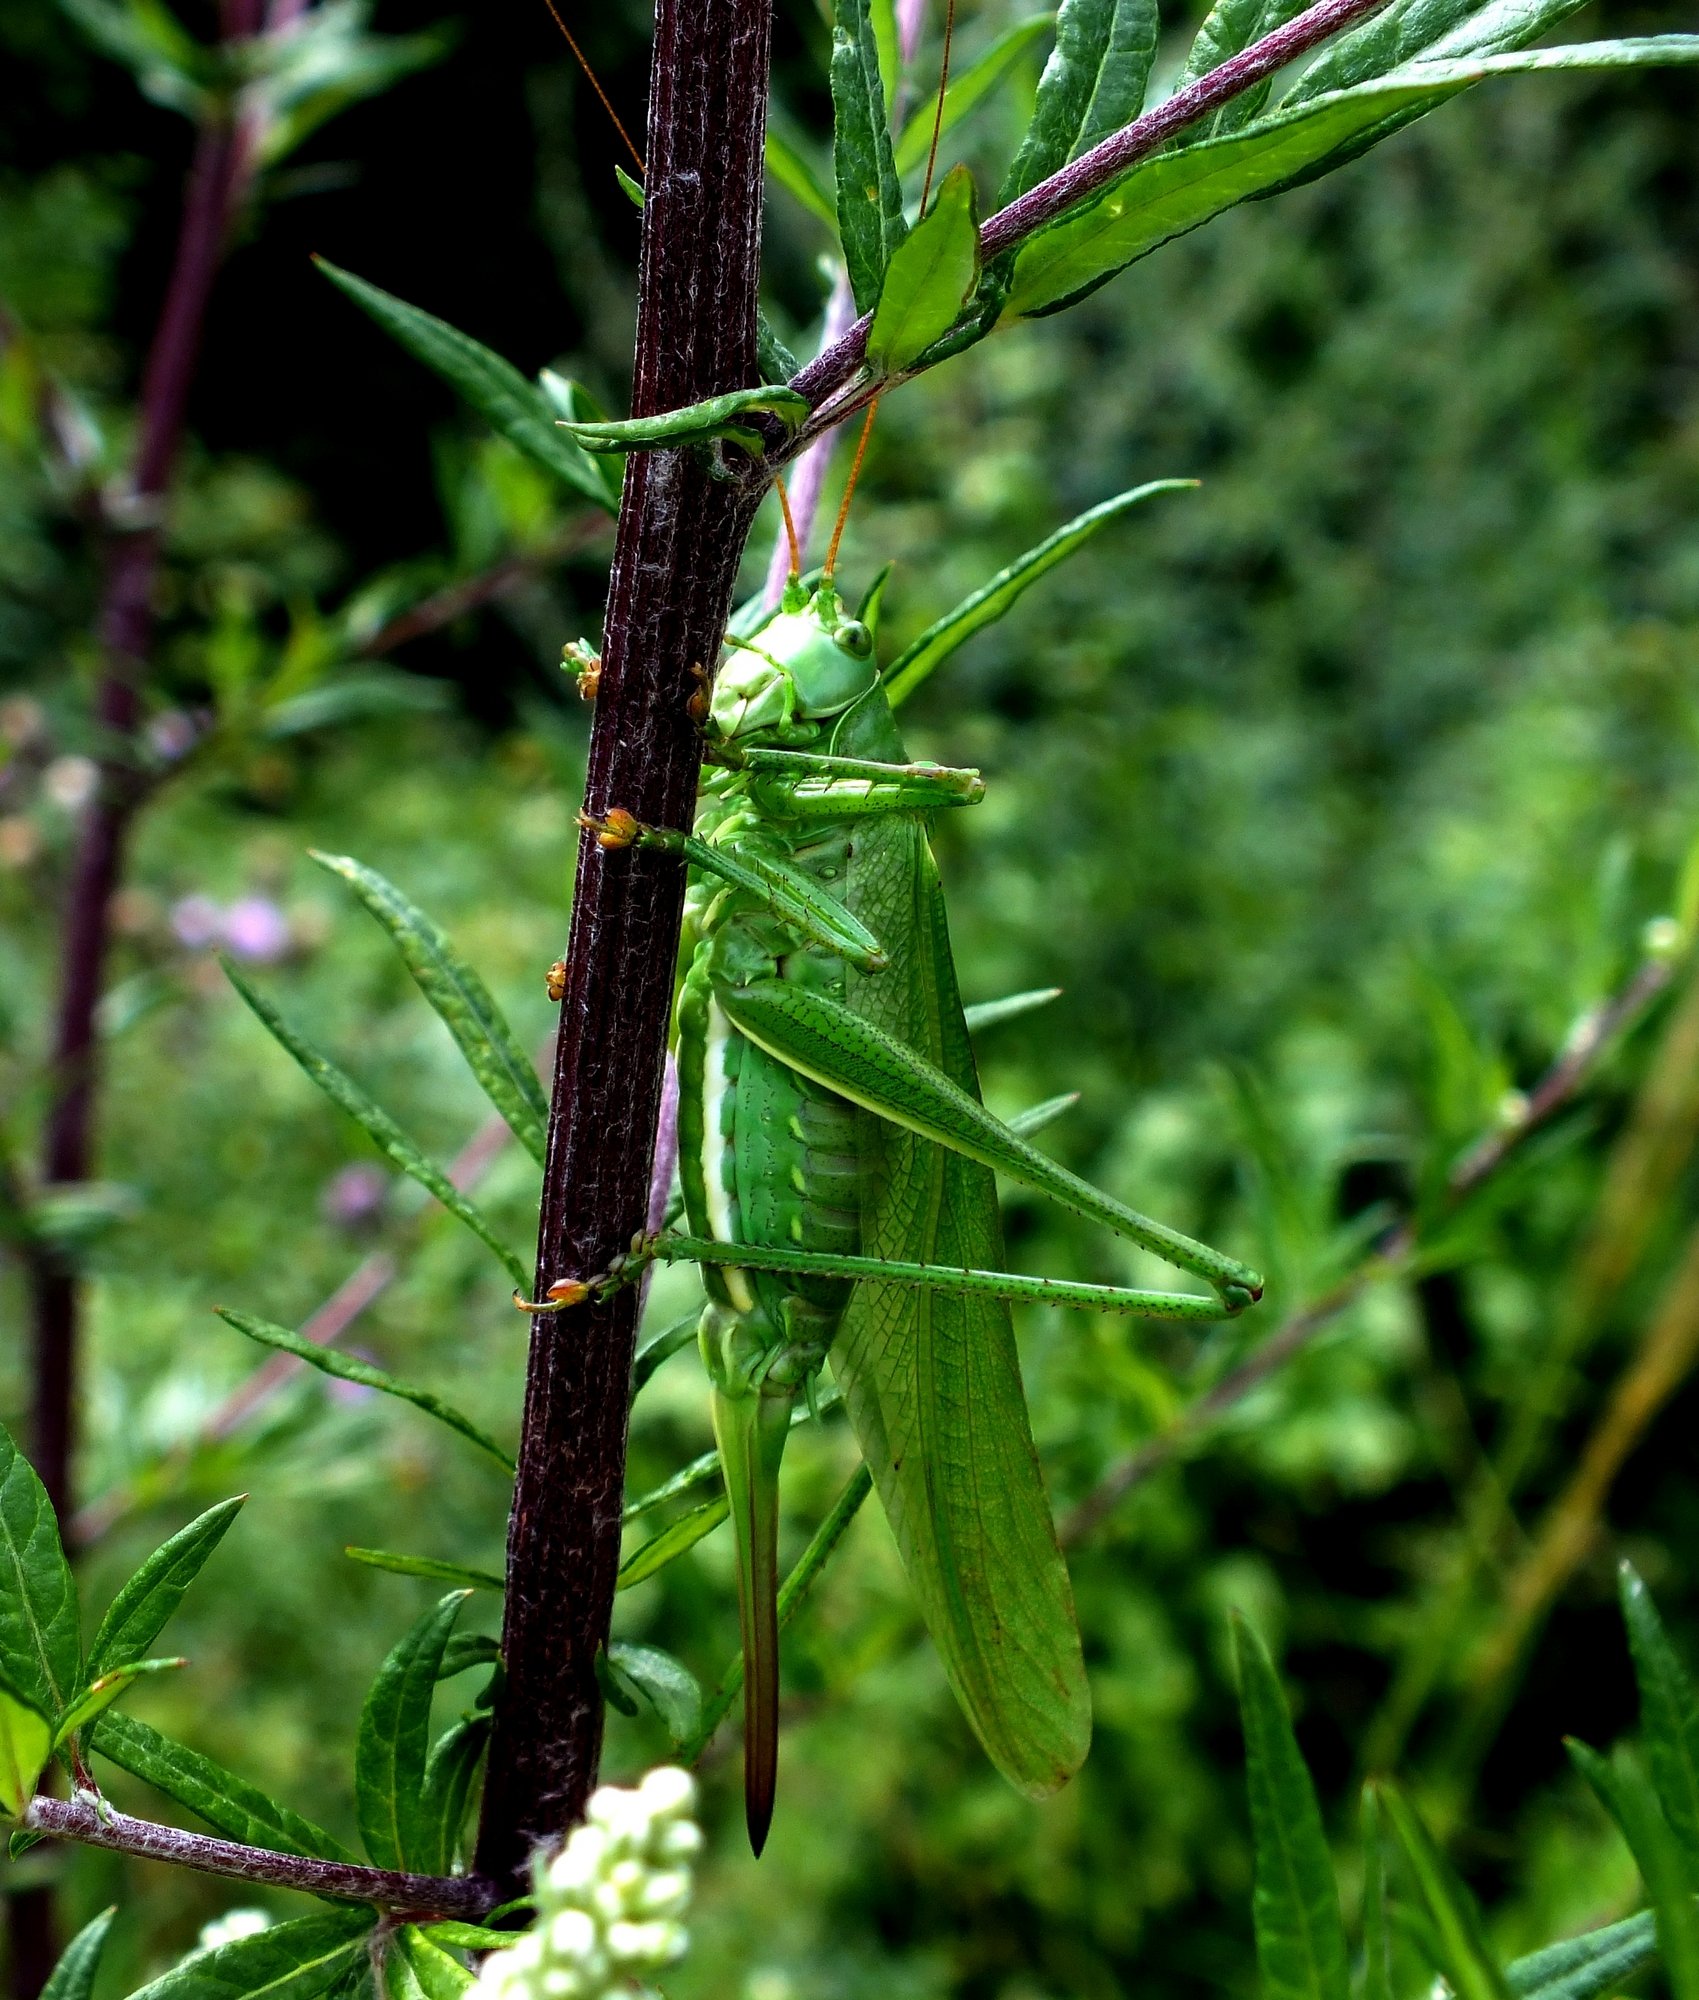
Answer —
(197, 921)
(354, 1195)
(257, 930)
(172, 735)
(340, 1391)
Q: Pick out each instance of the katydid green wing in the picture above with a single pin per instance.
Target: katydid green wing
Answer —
(932, 1383)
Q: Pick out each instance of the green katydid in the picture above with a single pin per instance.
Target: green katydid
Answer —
(838, 1170)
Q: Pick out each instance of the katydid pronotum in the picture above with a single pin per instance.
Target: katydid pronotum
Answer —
(838, 1169)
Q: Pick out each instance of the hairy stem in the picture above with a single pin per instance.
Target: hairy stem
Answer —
(1093, 171)
(680, 536)
(465, 1898)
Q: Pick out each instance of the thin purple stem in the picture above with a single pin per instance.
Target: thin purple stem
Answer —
(1093, 171)
(463, 1897)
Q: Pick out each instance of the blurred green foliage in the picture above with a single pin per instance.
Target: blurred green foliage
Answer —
(1331, 793)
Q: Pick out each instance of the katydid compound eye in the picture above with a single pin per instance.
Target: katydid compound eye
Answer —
(855, 639)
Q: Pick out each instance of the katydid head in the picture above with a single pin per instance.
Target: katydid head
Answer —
(807, 663)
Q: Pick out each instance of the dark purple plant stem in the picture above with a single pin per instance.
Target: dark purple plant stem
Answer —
(462, 1897)
(681, 533)
(1093, 171)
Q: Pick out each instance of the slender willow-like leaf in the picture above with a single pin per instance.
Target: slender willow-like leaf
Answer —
(791, 170)
(673, 1541)
(870, 197)
(100, 1694)
(1094, 82)
(297, 1960)
(391, 1748)
(461, 1000)
(1036, 1117)
(350, 1368)
(137, 1615)
(429, 1566)
(73, 1977)
(40, 1643)
(228, 1804)
(1301, 1950)
(1669, 1714)
(667, 1684)
(1171, 193)
(26, 1743)
(930, 277)
(668, 1342)
(967, 89)
(1229, 28)
(377, 1124)
(989, 603)
(987, 1013)
(1465, 1958)
(447, 1790)
(513, 408)
(1582, 1968)
(1413, 29)
(702, 1469)
(1627, 1795)
(1377, 1946)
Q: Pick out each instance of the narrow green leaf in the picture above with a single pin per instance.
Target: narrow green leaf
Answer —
(73, 1977)
(1034, 1119)
(1583, 1968)
(672, 1542)
(1301, 1950)
(350, 1368)
(461, 1001)
(26, 1743)
(1173, 192)
(987, 1013)
(930, 277)
(870, 197)
(1669, 1714)
(993, 599)
(447, 1790)
(632, 190)
(1377, 1945)
(698, 423)
(512, 407)
(967, 89)
(431, 1566)
(1229, 28)
(377, 1125)
(297, 1960)
(138, 1614)
(662, 1348)
(1413, 29)
(40, 1640)
(1626, 1793)
(228, 1804)
(887, 43)
(1094, 82)
(440, 1977)
(668, 1685)
(393, 1741)
(1465, 1959)
(99, 1695)
(468, 1937)
(467, 1650)
(701, 1470)
(787, 165)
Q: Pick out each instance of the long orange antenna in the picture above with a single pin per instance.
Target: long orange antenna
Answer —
(938, 107)
(790, 530)
(849, 490)
(596, 85)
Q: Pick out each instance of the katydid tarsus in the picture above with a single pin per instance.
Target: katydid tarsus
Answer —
(838, 1170)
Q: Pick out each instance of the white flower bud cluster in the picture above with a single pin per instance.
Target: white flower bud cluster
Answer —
(611, 1903)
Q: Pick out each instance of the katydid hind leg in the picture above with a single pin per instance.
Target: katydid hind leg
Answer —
(750, 1429)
